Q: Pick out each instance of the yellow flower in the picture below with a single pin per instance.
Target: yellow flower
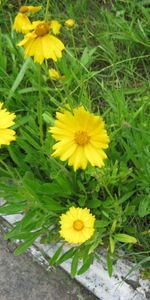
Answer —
(30, 9)
(55, 26)
(6, 120)
(80, 137)
(70, 23)
(54, 74)
(22, 23)
(42, 45)
(77, 225)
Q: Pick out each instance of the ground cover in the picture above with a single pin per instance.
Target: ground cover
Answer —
(104, 68)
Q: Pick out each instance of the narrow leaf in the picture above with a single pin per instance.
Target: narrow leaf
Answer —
(24, 246)
(74, 264)
(66, 256)
(109, 265)
(56, 255)
(19, 78)
(85, 265)
(125, 238)
(112, 244)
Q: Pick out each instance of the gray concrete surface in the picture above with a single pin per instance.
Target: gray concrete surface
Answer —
(23, 279)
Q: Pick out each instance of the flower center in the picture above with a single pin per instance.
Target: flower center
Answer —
(23, 9)
(78, 225)
(42, 29)
(81, 138)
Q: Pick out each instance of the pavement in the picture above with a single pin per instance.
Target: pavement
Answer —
(21, 278)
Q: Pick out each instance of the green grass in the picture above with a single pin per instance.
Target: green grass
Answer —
(108, 72)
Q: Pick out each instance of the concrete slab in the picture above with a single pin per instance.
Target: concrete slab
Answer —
(22, 279)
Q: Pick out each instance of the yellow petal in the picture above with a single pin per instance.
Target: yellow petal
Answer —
(54, 74)
(22, 23)
(6, 118)
(55, 26)
(34, 9)
(94, 156)
(7, 136)
(61, 148)
(52, 47)
(78, 159)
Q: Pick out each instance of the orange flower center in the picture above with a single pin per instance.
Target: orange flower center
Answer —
(42, 29)
(81, 138)
(23, 9)
(78, 225)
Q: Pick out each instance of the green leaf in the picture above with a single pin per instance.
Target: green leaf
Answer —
(144, 207)
(12, 209)
(64, 184)
(13, 231)
(23, 235)
(93, 203)
(47, 239)
(68, 254)
(82, 200)
(17, 157)
(125, 238)
(113, 227)
(109, 265)
(87, 56)
(48, 118)
(55, 189)
(101, 223)
(51, 204)
(30, 216)
(126, 197)
(30, 140)
(19, 77)
(86, 265)
(112, 245)
(74, 264)
(95, 245)
(56, 255)
(24, 246)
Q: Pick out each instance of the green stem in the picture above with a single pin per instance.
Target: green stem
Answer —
(40, 107)
(74, 46)
(47, 10)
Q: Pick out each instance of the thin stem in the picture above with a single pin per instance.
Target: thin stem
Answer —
(40, 107)
(47, 10)
(59, 93)
(74, 46)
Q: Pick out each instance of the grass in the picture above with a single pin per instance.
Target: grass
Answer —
(106, 64)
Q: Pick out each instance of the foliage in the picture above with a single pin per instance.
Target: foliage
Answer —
(105, 65)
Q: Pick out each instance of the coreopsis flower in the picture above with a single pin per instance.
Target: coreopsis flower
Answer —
(6, 120)
(55, 75)
(81, 138)
(41, 44)
(22, 23)
(70, 23)
(77, 225)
